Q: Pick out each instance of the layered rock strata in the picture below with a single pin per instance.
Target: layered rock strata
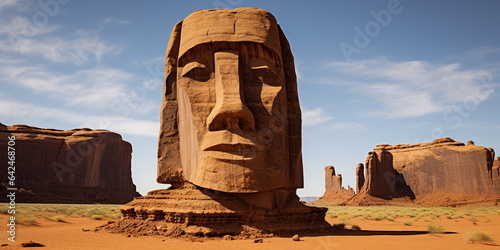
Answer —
(73, 166)
(191, 210)
(230, 133)
(442, 172)
(335, 193)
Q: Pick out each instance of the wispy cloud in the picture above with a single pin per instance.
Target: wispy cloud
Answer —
(413, 88)
(19, 28)
(479, 54)
(311, 117)
(83, 48)
(119, 124)
(99, 88)
(114, 20)
(7, 3)
(347, 126)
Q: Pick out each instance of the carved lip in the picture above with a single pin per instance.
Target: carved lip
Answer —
(232, 148)
(232, 151)
(227, 145)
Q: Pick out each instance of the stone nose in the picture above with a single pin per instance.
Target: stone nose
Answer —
(230, 112)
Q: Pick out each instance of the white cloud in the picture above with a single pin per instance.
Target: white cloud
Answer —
(25, 38)
(349, 126)
(123, 125)
(98, 88)
(7, 3)
(314, 117)
(479, 54)
(85, 47)
(20, 28)
(414, 88)
(113, 20)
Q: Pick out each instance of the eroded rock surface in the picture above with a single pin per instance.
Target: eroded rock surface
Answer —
(442, 172)
(335, 193)
(73, 166)
(230, 128)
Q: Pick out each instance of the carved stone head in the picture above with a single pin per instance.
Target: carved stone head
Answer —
(230, 119)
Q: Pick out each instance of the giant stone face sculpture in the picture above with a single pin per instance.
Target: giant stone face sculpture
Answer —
(231, 103)
(230, 141)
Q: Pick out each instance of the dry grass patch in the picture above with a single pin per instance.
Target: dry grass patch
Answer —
(29, 213)
(435, 229)
(478, 236)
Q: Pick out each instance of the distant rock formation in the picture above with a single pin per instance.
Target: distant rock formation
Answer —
(360, 177)
(441, 173)
(495, 174)
(73, 166)
(334, 192)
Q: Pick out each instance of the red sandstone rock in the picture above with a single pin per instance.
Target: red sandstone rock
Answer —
(360, 176)
(443, 167)
(73, 166)
(334, 192)
(495, 174)
(231, 128)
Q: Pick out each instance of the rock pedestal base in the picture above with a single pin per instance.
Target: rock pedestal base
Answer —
(190, 210)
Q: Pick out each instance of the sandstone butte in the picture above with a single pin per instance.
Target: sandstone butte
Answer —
(73, 166)
(443, 172)
(335, 193)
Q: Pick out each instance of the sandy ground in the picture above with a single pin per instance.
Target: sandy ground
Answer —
(374, 235)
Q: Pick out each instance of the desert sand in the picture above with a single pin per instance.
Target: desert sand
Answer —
(382, 234)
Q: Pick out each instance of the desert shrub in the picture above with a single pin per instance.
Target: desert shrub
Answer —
(26, 220)
(4, 210)
(407, 223)
(473, 220)
(114, 215)
(95, 211)
(389, 218)
(57, 218)
(355, 227)
(435, 229)
(97, 217)
(478, 236)
(345, 219)
(339, 226)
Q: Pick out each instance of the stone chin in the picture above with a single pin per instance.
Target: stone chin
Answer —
(235, 164)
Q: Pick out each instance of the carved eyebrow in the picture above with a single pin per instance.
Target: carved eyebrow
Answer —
(261, 63)
(192, 65)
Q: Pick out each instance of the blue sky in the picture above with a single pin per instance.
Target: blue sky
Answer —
(370, 72)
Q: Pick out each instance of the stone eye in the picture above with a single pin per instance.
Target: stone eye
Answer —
(196, 71)
(266, 76)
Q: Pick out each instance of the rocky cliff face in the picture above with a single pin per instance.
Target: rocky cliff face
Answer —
(334, 192)
(360, 177)
(495, 175)
(74, 166)
(443, 171)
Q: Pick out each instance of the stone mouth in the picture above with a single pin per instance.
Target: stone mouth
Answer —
(237, 151)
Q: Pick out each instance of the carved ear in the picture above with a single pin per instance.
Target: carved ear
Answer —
(169, 170)
(294, 115)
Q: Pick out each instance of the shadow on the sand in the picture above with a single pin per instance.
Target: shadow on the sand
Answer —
(371, 233)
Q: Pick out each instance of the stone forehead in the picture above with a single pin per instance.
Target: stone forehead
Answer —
(238, 25)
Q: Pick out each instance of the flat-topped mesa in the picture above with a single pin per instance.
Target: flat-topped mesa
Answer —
(69, 166)
(335, 193)
(443, 167)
